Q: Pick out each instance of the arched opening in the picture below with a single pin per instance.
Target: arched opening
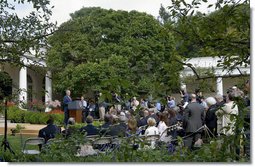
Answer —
(29, 88)
(5, 85)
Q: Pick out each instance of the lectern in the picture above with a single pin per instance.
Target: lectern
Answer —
(75, 110)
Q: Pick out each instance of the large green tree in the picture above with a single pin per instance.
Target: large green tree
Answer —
(126, 52)
(224, 32)
(26, 35)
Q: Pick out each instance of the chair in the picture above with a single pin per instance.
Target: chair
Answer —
(116, 140)
(35, 142)
(102, 144)
(151, 140)
(103, 140)
(92, 138)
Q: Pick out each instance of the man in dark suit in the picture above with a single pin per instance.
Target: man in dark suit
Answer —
(49, 131)
(67, 99)
(194, 118)
(90, 129)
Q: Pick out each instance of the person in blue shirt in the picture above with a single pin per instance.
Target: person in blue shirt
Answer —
(158, 106)
(170, 102)
(67, 99)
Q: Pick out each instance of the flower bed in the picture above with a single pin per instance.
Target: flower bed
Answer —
(56, 111)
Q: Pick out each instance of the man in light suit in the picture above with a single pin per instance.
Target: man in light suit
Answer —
(194, 118)
(67, 99)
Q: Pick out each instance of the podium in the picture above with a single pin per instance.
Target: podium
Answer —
(75, 110)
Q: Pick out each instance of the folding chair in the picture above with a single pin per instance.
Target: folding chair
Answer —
(115, 142)
(35, 142)
(102, 144)
(92, 138)
(152, 139)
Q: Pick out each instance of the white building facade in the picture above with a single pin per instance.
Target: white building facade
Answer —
(219, 72)
(31, 82)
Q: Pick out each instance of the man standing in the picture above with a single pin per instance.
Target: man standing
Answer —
(67, 99)
(194, 118)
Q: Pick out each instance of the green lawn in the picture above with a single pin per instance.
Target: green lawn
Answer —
(16, 142)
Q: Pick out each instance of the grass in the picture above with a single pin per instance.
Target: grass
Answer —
(16, 143)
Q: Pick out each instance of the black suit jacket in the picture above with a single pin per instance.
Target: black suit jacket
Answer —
(194, 116)
(142, 121)
(90, 129)
(117, 130)
(211, 118)
(48, 132)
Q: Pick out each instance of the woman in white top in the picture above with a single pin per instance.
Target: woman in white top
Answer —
(151, 130)
(224, 114)
(162, 126)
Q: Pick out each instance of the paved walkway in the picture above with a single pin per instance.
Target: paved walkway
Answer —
(29, 129)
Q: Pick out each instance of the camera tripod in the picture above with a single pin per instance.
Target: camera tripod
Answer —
(5, 142)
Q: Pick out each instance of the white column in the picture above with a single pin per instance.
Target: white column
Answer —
(219, 83)
(48, 89)
(23, 85)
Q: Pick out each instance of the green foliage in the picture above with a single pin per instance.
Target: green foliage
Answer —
(205, 85)
(20, 35)
(21, 116)
(119, 51)
(224, 32)
(17, 129)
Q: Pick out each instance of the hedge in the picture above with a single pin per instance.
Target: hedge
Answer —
(17, 115)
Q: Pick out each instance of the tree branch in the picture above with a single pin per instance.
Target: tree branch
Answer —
(190, 66)
(34, 38)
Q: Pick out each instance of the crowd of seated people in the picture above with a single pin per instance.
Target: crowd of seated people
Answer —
(194, 112)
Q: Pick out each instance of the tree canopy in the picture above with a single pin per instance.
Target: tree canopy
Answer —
(121, 51)
(24, 35)
(125, 52)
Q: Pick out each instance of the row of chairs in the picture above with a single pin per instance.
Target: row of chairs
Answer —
(101, 142)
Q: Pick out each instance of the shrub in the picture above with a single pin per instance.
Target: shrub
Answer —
(21, 116)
